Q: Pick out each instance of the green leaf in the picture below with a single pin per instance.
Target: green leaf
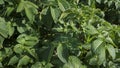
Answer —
(91, 29)
(8, 51)
(30, 10)
(9, 11)
(110, 3)
(31, 40)
(10, 29)
(99, 1)
(20, 7)
(96, 44)
(21, 39)
(21, 29)
(24, 61)
(55, 13)
(1, 2)
(109, 40)
(18, 48)
(93, 60)
(74, 62)
(37, 64)
(29, 14)
(1, 65)
(63, 5)
(3, 28)
(1, 42)
(32, 4)
(117, 4)
(32, 52)
(51, 53)
(27, 40)
(111, 51)
(13, 60)
(101, 55)
(60, 53)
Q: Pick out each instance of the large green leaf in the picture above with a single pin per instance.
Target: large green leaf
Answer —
(111, 51)
(96, 44)
(61, 53)
(101, 55)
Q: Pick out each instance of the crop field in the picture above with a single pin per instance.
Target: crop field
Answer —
(59, 33)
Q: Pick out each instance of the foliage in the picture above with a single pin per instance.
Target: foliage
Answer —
(59, 33)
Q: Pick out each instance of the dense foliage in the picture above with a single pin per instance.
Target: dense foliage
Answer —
(60, 33)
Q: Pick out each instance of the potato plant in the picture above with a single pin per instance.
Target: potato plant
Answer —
(59, 33)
